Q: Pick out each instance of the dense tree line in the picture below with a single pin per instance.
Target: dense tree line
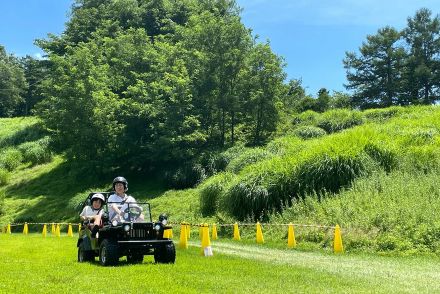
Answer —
(19, 83)
(397, 67)
(141, 82)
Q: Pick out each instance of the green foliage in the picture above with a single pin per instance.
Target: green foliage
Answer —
(386, 158)
(186, 177)
(12, 84)
(397, 67)
(340, 119)
(210, 192)
(247, 157)
(36, 152)
(382, 114)
(10, 158)
(4, 179)
(308, 117)
(309, 132)
(152, 84)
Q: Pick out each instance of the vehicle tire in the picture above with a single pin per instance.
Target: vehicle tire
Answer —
(84, 255)
(165, 254)
(135, 257)
(108, 253)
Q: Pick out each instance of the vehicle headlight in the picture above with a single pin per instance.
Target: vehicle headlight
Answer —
(114, 223)
(157, 227)
(127, 228)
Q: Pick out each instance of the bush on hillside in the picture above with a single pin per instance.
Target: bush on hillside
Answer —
(210, 193)
(214, 163)
(309, 132)
(4, 177)
(382, 114)
(187, 176)
(308, 117)
(339, 119)
(249, 156)
(36, 152)
(245, 200)
(10, 159)
(386, 158)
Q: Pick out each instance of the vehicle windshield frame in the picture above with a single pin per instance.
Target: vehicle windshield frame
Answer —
(146, 211)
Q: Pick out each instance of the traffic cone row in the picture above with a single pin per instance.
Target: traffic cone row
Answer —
(203, 234)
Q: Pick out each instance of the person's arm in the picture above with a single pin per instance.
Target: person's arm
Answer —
(83, 215)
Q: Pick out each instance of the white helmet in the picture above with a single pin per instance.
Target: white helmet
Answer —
(98, 196)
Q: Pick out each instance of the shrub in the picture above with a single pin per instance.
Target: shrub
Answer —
(386, 158)
(382, 114)
(309, 132)
(36, 152)
(339, 119)
(10, 159)
(186, 177)
(248, 157)
(214, 163)
(245, 200)
(305, 118)
(4, 176)
(210, 193)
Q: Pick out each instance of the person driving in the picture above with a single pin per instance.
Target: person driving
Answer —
(120, 201)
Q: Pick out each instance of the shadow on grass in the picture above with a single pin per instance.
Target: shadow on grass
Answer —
(27, 134)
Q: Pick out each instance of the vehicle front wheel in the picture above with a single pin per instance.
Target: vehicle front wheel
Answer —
(84, 255)
(165, 254)
(108, 253)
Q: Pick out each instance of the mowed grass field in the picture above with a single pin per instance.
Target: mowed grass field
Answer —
(32, 264)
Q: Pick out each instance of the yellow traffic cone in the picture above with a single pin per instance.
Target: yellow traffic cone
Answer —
(53, 231)
(260, 239)
(57, 231)
(70, 231)
(183, 237)
(8, 230)
(214, 232)
(188, 231)
(236, 232)
(25, 229)
(337, 242)
(44, 233)
(291, 242)
(206, 243)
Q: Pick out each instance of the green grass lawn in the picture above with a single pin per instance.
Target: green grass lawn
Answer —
(32, 264)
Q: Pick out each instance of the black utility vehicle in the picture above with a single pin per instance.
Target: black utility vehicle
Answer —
(133, 235)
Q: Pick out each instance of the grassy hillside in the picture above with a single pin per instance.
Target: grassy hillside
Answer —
(375, 173)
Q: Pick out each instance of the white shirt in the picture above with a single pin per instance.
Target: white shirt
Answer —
(89, 211)
(113, 199)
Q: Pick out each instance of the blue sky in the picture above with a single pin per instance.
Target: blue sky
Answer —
(312, 35)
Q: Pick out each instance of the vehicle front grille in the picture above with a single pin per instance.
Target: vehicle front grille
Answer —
(138, 234)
